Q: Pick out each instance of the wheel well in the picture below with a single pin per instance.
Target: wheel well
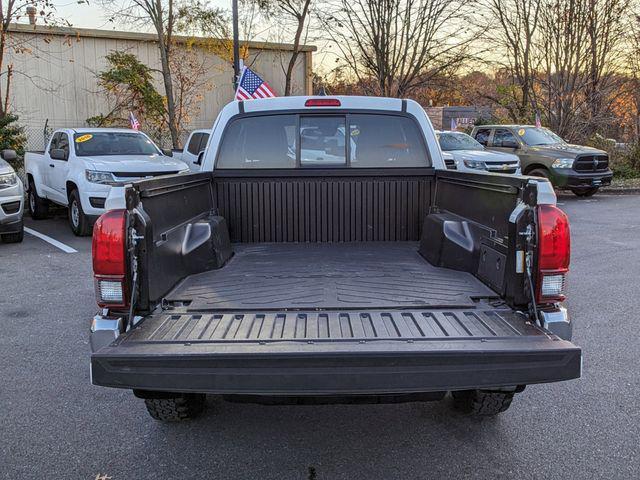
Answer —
(30, 179)
(70, 188)
(533, 167)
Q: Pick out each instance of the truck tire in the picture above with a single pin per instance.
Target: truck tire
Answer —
(482, 403)
(79, 222)
(176, 409)
(585, 192)
(13, 237)
(38, 207)
(539, 172)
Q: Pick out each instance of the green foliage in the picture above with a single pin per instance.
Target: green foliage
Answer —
(12, 137)
(128, 84)
(624, 162)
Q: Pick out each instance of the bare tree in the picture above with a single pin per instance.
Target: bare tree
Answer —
(11, 11)
(162, 15)
(291, 15)
(606, 30)
(402, 44)
(512, 26)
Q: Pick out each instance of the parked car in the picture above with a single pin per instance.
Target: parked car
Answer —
(11, 200)
(196, 144)
(382, 278)
(80, 166)
(583, 170)
(469, 156)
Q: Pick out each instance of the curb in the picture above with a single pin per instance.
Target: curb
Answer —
(621, 191)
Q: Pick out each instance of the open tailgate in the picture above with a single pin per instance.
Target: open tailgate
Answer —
(334, 352)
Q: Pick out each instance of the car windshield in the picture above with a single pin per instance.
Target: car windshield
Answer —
(533, 136)
(457, 141)
(94, 144)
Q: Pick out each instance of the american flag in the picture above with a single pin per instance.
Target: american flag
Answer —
(252, 86)
(135, 124)
(538, 121)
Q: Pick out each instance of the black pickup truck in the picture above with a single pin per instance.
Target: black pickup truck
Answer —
(301, 266)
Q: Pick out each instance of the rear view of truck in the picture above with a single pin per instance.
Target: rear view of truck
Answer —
(323, 258)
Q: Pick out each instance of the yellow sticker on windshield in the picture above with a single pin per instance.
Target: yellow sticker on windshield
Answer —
(84, 138)
(355, 132)
(521, 132)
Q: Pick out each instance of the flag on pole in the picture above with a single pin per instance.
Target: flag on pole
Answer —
(135, 124)
(454, 125)
(252, 86)
(538, 122)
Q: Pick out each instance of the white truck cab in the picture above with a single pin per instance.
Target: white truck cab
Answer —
(196, 144)
(80, 166)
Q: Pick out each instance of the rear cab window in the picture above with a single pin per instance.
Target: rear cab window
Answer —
(321, 140)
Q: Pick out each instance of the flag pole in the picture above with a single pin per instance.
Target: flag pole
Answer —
(236, 46)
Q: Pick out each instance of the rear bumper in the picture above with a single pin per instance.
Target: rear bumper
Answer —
(337, 368)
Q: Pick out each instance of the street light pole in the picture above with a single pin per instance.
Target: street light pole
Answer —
(236, 46)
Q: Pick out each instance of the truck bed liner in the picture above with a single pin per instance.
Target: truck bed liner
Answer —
(325, 276)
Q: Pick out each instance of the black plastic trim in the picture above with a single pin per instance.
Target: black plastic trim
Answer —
(296, 368)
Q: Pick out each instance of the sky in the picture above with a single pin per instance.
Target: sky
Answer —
(91, 15)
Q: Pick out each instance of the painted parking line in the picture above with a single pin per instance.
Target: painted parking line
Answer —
(52, 241)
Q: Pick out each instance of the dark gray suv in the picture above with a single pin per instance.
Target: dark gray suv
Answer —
(542, 153)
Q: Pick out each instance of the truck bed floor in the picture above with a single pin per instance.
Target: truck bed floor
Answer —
(328, 276)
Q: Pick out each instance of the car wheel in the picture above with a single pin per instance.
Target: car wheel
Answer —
(539, 172)
(38, 207)
(79, 222)
(176, 409)
(13, 237)
(585, 192)
(482, 403)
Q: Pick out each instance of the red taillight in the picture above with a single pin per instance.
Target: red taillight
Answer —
(322, 102)
(110, 259)
(554, 253)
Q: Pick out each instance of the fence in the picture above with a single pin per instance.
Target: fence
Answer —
(38, 137)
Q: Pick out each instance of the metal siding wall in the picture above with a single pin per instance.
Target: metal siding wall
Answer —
(324, 210)
(58, 80)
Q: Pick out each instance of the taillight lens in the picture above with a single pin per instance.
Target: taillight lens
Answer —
(322, 102)
(110, 259)
(554, 253)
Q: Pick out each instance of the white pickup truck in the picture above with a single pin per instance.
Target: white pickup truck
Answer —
(80, 166)
(196, 144)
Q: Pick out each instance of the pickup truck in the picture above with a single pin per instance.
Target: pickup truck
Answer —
(542, 153)
(11, 200)
(191, 154)
(299, 268)
(464, 153)
(80, 165)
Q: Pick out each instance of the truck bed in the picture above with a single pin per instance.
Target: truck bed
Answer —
(328, 276)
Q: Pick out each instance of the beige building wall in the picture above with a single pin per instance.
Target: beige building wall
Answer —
(55, 74)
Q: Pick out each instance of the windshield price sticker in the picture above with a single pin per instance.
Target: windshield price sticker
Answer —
(84, 138)
(521, 132)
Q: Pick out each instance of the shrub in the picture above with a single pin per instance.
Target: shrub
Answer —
(12, 136)
(624, 162)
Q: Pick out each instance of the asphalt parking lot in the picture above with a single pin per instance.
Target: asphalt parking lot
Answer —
(55, 425)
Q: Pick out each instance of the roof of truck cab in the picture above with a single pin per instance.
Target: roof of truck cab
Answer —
(505, 126)
(106, 130)
(346, 102)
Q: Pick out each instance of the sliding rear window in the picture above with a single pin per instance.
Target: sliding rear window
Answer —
(305, 141)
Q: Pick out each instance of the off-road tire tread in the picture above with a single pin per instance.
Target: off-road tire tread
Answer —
(42, 204)
(482, 403)
(85, 227)
(175, 409)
